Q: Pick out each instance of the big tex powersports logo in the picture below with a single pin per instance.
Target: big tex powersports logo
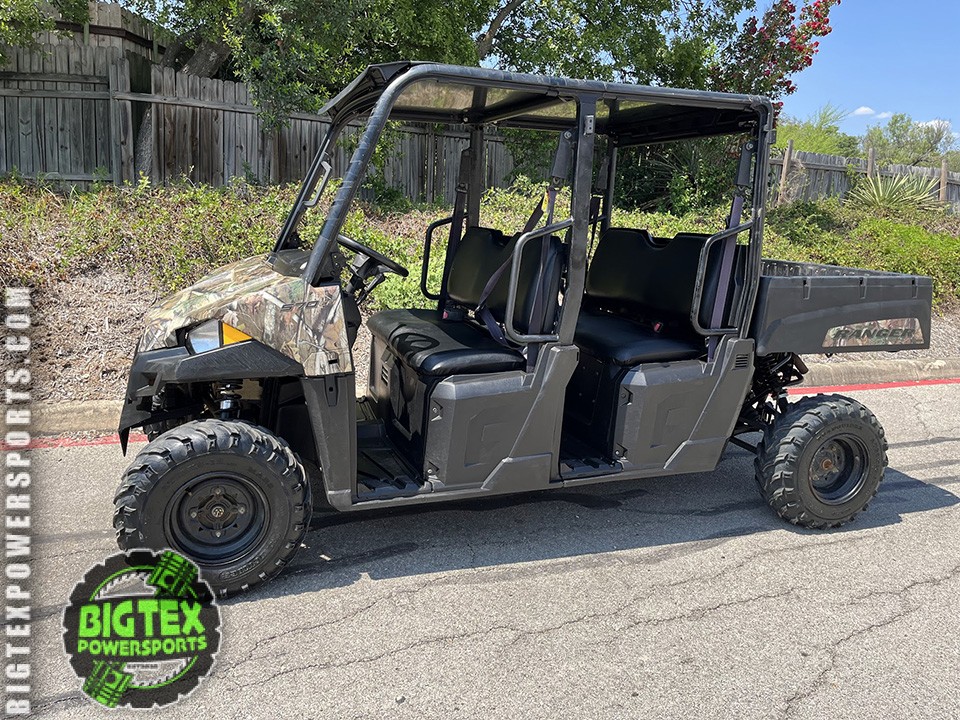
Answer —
(141, 629)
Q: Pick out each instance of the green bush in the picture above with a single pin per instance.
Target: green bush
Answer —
(172, 236)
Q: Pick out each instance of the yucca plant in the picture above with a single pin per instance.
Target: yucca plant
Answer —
(901, 193)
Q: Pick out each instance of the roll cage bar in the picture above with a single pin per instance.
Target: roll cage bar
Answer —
(447, 94)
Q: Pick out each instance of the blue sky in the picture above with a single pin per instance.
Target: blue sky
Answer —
(886, 56)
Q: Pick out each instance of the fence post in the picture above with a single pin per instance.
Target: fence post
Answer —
(785, 172)
(944, 179)
(431, 160)
(871, 162)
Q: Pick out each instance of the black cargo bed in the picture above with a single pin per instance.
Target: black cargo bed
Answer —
(808, 309)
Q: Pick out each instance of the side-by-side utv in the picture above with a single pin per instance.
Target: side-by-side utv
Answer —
(564, 352)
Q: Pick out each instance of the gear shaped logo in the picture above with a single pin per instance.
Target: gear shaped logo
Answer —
(141, 629)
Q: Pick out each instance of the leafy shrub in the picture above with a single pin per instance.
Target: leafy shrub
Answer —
(171, 236)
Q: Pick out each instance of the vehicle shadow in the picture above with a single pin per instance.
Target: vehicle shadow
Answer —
(675, 515)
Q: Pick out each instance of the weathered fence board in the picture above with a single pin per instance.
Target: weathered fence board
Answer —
(810, 176)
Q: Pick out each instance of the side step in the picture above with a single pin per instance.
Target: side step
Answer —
(382, 471)
(577, 460)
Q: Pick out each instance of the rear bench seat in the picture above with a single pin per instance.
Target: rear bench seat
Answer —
(639, 292)
(434, 346)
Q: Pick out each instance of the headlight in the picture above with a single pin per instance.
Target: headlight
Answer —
(213, 334)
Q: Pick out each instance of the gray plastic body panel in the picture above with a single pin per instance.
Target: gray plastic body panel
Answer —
(810, 309)
(677, 417)
(499, 431)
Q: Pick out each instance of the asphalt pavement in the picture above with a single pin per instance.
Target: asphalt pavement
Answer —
(681, 597)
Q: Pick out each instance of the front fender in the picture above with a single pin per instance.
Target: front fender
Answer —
(152, 370)
(283, 312)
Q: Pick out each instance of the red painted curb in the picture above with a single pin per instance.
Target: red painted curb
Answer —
(54, 441)
(46, 443)
(803, 390)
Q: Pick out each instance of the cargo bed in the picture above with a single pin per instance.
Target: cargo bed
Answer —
(807, 308)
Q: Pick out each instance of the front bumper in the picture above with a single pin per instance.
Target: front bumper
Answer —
(152, 370)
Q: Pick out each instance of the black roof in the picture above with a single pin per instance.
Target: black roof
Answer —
(631, 114)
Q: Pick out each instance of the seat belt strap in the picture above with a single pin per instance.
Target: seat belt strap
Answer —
(456, 226)
(729, 247)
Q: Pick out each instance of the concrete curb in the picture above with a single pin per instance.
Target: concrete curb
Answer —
(104, 415)
(858, 372)
(70, 417)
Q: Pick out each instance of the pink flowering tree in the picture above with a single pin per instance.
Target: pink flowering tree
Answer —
(767, 52)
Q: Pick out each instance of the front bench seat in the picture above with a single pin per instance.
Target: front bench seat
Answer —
(433, 346)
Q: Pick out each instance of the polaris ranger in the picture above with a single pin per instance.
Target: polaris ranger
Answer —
(540, 364)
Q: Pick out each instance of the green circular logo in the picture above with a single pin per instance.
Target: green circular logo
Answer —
(141, 629)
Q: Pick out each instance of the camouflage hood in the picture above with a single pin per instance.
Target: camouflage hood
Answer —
(303, 322)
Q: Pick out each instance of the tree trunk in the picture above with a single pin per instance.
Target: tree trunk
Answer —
(205, 61)
(485, 41)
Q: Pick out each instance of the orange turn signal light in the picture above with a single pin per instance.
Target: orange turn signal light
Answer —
(231, 335)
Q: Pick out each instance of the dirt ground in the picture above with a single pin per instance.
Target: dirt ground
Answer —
(87, 327)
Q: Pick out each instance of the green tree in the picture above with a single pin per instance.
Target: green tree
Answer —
(905, 142)
(819, 133)
(21, 20)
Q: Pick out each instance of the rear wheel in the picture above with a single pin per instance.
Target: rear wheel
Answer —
(821, 462)
(229, 495)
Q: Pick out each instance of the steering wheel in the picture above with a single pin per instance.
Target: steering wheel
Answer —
(380, 259)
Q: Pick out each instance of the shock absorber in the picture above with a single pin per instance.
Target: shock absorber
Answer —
(230, 399)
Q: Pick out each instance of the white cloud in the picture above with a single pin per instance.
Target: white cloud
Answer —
(884, 115)
(864, 110)
(935, 123)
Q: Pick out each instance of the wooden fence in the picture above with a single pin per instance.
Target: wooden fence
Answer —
(56, 112)
(810, 176)
(209, 131)
(79, 113)
(108, 25)
(82, 113)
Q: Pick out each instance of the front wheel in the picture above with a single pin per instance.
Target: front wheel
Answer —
(229, 495)
(821, 462)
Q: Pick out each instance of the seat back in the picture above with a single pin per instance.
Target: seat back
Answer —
(638, 276)
(635, 275)
(480, 254)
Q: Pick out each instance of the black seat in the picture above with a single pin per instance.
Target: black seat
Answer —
(434, 346)
(638, 296)
(626, 342)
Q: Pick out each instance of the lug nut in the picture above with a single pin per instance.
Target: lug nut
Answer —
(218, 491)
(218, 533)
(193, 513)
(241, 509)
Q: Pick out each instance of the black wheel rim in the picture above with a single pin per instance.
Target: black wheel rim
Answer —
(838, 469)
(217, 517)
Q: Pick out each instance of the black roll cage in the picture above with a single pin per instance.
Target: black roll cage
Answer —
(635, 115)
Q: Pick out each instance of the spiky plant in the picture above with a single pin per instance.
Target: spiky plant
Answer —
(901, 193)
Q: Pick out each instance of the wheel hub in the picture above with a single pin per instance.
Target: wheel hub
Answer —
(214, 518)
(838, 469)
